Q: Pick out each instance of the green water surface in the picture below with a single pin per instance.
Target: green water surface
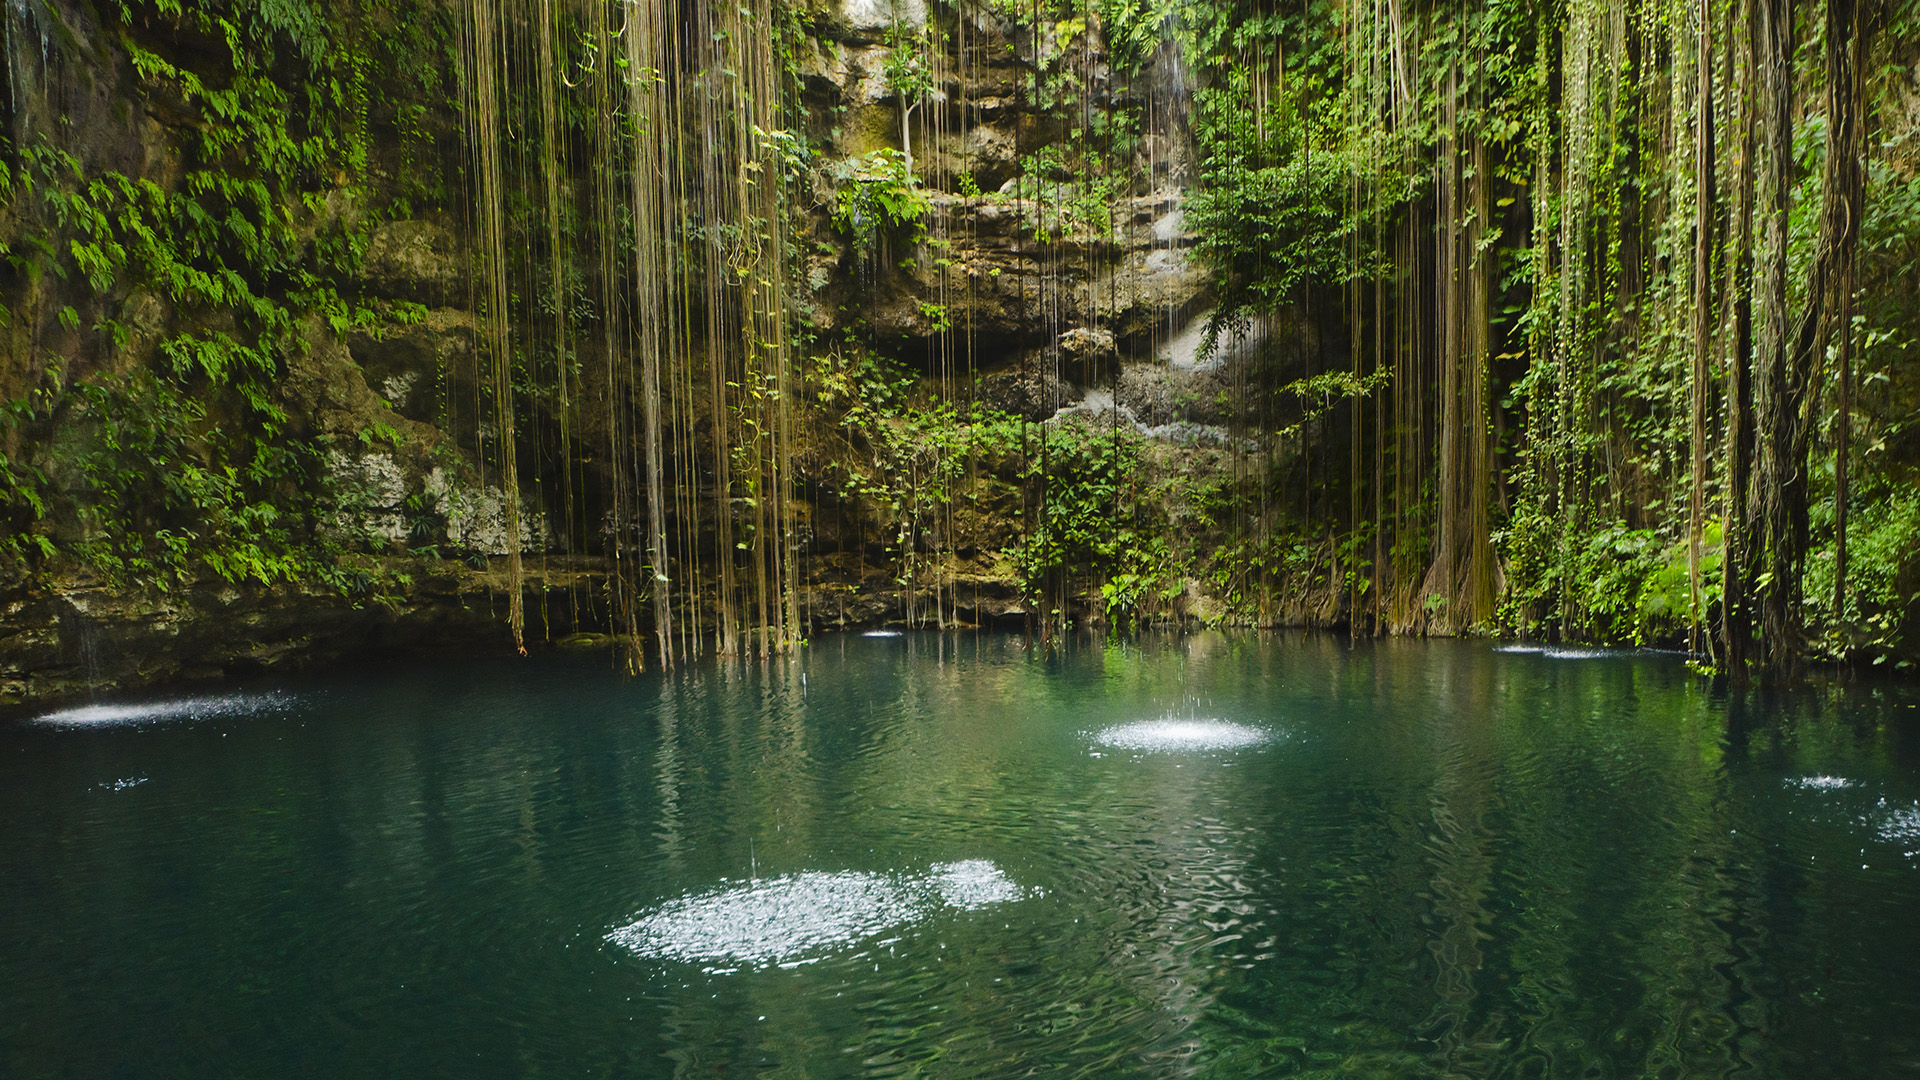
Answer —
(1419, 859)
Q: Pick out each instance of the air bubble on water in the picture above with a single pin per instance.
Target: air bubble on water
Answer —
(1172, 734)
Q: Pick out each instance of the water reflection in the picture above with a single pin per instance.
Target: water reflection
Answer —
(881, 858)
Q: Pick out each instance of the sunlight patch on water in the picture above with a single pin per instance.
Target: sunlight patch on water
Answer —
(792, 920)
(973, 884)
(1898, 825)
(1821, 783)
(147, 712)
(1174, 734)
(1559, 652)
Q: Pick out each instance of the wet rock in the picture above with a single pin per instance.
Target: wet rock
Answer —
(370, 492)
(873, 20)
(404, 362)
(75, 634)
(1033, 390)
(1088, 351)
(1159, 394)
(415, 260)
(477, 517)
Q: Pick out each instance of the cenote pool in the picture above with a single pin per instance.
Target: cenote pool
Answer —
(953, 856)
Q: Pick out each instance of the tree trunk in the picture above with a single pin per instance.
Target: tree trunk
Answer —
(1736, 627)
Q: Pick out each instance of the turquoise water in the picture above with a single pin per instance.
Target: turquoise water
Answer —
(951, 856)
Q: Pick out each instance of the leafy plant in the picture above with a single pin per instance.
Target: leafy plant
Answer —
(876, 194)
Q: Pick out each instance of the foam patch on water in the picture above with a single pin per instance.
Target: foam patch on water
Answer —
(1821, 783)
(124, 714)
(1174, 734)
(797, 919)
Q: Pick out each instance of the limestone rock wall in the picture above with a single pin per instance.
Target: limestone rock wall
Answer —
(1054, 317)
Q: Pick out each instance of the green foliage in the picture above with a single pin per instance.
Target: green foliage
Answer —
(876, 194)
(1622, 566)
(909, 75)
(1081, 529)
(187, 464)
(1266, 231)
(1319, 394)
(909, 458)
(1135, 29)
(1883, 581)
(173, 493)
(22, 501)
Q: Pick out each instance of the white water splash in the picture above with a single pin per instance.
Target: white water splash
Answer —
(883, 633)
(1581, 654)
(794, 920)
(1520, 647)
(122, 785)
(1821, 783)
(1171, 734)
(148, 712)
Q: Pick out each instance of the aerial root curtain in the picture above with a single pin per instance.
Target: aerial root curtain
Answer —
(635, 316)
